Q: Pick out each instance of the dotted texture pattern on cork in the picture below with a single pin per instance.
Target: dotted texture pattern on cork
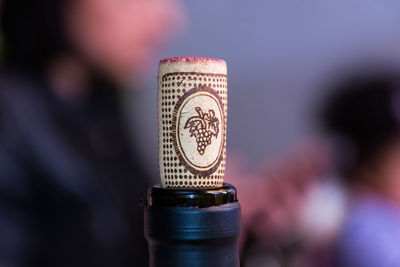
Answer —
(192, 103)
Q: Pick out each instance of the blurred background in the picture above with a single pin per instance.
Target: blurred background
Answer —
(69, 187)
(278, 53)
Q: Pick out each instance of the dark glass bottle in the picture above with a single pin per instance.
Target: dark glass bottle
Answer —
(193, 227)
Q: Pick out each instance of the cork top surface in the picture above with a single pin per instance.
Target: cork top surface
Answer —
(190, 59)
(192, 64)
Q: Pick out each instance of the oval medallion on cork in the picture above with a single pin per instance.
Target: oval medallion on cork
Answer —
(199, 130)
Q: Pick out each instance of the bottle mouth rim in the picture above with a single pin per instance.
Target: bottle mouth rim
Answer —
(185, 197)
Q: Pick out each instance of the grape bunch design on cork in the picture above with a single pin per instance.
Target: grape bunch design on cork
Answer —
(203, 127)
(192, 105)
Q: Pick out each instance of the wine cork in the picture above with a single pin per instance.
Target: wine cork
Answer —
(192, 116)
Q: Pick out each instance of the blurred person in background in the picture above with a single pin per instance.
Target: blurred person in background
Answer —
(363, 117)
(70, 180)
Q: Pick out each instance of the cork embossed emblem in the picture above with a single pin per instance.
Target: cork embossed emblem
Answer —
(198, 130)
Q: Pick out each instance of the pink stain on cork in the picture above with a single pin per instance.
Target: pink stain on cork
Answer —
(190, 59)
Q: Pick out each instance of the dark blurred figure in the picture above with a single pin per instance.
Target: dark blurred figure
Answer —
(363, 116)
(69, 179)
